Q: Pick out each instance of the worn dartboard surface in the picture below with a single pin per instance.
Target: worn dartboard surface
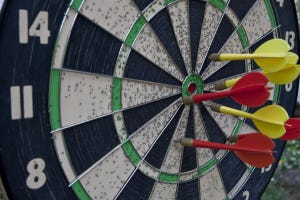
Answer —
(91, 96)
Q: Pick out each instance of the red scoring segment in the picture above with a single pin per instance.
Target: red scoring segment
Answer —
(250, 90)
(254, 149)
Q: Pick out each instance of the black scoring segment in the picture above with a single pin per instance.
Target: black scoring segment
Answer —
(162, 26)
(142, 4)
(234, 68)
(188, 190)
(137, 117)
(189, 161)
(138, 187)
(87, 42)
(159, 150)
(239, 10)
(90, 141)
(223, 33)
(197, 10)
(233, 172)
(140, 68)
(214, 133)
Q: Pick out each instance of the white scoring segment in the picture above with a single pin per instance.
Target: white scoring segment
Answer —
(172, 160)
(148, 44)
(224, 121)
(86, 96)
(257, 14)
(247, 129)
(203, 154)
(116, 17)
(138, 92)
(145, 137)
(114, 169)
(63, 38)
(211, 21)
(173, 157)
(153, 9)
(232, 45)
(163, 191)
(211, 186)
(179, 15)
(106, 179)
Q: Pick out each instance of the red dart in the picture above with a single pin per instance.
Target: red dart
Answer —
(250, 90)
(292, 127)
(254, 149)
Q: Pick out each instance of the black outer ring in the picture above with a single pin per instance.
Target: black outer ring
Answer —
(16, 153)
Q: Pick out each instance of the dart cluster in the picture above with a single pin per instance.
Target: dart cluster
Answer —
(279, 66)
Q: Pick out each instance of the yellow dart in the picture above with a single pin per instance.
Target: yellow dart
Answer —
(269, 120)
(285, 75)
(270, 56)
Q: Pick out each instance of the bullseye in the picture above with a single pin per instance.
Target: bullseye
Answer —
(192, 85)
(192, 88)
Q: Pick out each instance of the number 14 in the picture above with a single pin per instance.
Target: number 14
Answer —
(39, 27)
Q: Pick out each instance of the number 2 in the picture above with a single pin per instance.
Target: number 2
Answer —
(246, 194)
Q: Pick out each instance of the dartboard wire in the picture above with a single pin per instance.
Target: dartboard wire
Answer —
(273, 30)
(140, 23)
(215, 157)
(148, 151)
(197, 71)
(209, 86)
(240, 25)
(195, 130)
(173, 93)
(187, 60)
(173, 140)
(113, 77)
(108, 114)
(123, 142)
(182, 119)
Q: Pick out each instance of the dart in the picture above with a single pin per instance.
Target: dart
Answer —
(269, 120)
(250, 90)
(270, 56)
(283, 76)
(254, 149)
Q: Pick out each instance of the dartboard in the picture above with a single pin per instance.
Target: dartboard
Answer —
(91, 96)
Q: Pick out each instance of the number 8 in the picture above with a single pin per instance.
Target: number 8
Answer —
(36, 178)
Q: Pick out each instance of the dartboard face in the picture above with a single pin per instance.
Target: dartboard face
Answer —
(92, 91)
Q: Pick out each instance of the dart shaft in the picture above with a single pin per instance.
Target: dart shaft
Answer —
(231, 82)
(235, 112)
(226, 57)
(214, 145)
(208, 96)
(249, 91)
